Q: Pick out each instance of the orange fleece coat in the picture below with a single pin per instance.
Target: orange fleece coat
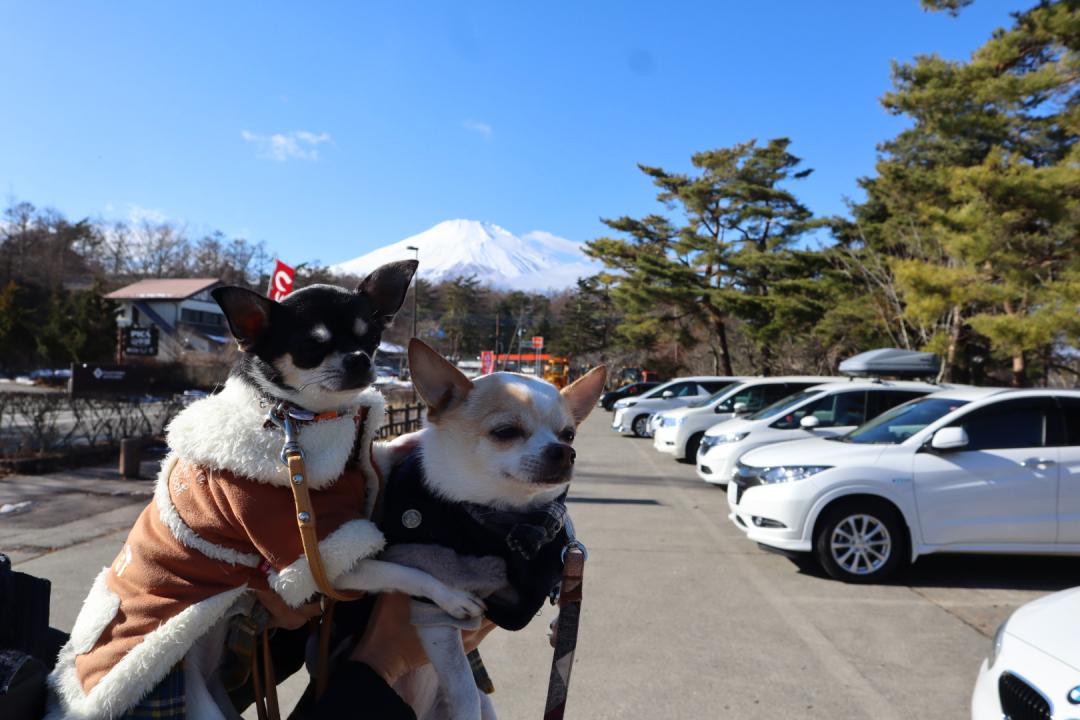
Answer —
(222, 523)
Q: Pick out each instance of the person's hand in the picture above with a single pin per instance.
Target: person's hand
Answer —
(390, 645)
(283, 616)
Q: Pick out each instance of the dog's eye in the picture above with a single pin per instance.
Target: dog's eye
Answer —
(507, 432)
(567, 435)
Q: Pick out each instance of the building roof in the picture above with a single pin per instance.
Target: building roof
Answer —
(163, 289)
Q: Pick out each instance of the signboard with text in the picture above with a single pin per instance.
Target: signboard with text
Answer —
(94, 380)
(538, 342)
(140, 341)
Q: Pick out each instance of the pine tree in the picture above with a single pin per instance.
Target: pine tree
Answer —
(975, 204)
(733, 255)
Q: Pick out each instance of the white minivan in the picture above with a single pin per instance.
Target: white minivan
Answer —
(984, 470)
(632, 414)
(679, 431)
(824, 410)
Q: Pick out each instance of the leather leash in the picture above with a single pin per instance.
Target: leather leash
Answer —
(566, 630)
(292, 455)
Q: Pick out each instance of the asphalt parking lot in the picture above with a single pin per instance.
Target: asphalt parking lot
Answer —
(684, 618)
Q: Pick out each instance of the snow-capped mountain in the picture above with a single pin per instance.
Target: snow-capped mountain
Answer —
(536, 261)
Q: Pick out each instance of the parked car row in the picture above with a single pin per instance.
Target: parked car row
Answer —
(863, 476)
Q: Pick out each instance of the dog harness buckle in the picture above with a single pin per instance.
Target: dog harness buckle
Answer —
(282, 416)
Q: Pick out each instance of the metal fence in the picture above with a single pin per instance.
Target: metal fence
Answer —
(34, 424)
(401, 419)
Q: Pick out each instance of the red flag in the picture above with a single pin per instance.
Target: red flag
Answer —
(281, 282)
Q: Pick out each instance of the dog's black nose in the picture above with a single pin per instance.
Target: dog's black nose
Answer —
(356, 362)
(559, 456)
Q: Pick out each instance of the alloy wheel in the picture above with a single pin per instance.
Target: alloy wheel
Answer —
(861, 544)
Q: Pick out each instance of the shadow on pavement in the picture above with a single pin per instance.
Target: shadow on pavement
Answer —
(1006, 572)
(623, 479)
(987, 572)
(612, 501)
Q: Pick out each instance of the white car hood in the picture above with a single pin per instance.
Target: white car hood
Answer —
(1049, 624)
(812, 451)
(730, 426)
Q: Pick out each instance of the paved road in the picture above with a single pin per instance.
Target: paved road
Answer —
(683, 618)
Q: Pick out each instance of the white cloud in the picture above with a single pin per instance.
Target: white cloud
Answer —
(554, 243)
(481, 128)
(295, 145)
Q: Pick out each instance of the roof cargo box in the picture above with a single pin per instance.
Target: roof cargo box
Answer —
(892, 362)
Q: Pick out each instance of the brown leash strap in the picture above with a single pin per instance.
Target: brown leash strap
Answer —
(270, 679)
(566, 631)
(305, 519)
(257, 686)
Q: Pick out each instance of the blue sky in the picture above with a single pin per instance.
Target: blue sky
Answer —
(331, 129)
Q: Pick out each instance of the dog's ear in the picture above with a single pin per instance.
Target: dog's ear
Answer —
(582, 394)
(248, 313)
(440, 384)
(386, 287)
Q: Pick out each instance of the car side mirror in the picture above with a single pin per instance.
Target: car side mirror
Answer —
(809, 422)
(667, 394)
(741, 408)
(949, 438)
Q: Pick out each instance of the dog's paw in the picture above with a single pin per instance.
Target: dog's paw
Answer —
(459, 604)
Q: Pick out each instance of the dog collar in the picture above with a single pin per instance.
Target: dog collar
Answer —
(300, 416)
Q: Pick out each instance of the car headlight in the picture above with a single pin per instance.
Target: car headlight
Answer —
(710, 441)
(790, 473)
(630, 403)
(995, 647)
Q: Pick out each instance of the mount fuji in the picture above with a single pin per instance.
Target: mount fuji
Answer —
(536, 261)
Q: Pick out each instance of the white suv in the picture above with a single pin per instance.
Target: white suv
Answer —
(985, 470)
(632, 414)
(824, 410)
(679, 431)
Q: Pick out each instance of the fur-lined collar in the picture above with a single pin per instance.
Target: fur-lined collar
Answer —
(226, 431)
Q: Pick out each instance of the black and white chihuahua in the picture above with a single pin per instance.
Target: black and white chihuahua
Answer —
(315, 350)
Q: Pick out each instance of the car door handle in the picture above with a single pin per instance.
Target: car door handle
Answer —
(1038, 463)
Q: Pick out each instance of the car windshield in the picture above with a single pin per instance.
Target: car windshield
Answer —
(784, 403)
(903, 421)
(730, 389)
(656, 391)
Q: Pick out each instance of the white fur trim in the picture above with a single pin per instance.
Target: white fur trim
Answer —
(180, 530)
(226, 431)
(140, 669)
(353, 541)
(98, 610)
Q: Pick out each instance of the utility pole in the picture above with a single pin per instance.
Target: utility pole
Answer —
(415, 294)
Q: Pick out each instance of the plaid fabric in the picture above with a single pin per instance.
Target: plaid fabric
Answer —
(526, 532)
(165, 701)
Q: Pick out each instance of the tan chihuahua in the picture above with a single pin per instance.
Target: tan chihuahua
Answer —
(479, 505)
